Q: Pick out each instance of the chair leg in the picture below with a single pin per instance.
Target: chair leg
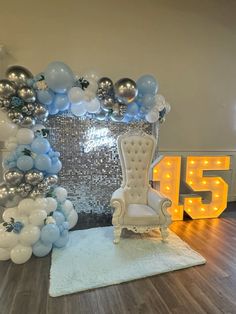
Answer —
(117, 233)
(164, 234)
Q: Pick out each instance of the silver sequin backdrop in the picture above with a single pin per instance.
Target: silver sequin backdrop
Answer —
(91, 169)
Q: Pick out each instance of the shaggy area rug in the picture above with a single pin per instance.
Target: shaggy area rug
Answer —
(91, 260)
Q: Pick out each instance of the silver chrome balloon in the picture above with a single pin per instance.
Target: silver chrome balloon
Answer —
(3, 194)
(13, 198)
(40, 112)
(118, 112)
(7, 88)
(18, 74)
(8, 196)
(35, 193)
(27, 94)
(125, 90)
(13, 177)
(27, 122)
(15, 116)
(34, 177)
(24, 189)
(43, 187)
(107, 104)
(5, 103)
(105, 83)
(51, 180)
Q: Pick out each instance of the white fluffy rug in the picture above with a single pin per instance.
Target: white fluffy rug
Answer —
(91, 260)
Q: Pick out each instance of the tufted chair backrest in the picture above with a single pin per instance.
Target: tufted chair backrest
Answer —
(136, 153)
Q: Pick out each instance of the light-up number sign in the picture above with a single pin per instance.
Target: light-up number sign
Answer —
(167, 172)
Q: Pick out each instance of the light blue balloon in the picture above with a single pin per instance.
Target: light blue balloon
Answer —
(148, 101)
(59, 217)
(41, 249)
(63, 239)
(49, 233)
(52, 110)
(40, 145)
(20, 149)
(45, 97)
(127, 118)
(25, 163)
(42, 162)
(61, 102)
(147, 84)
(55, 167)
(132, 109)
(59, 77)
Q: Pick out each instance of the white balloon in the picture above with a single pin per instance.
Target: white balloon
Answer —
(91, 75)
(21, 254)
(67, 207)
(29, 235)
(152, 116)
(89, 95)
(78, 109)
(26, 206)
(37, 217)
(7, 128)
(93, 106)
(4, 254)
(11, 143)
(93, 86)
(51, 205)
(72, 219)
(60, 193)
(168, 107)
(160, 107)
(8, 239)
(40, 203)
(12, 139)
(160, 99)
(75, 95)
(25, 136)
(11, 146)
(9, 213)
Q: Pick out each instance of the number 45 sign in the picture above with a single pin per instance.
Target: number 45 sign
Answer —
(167, 172)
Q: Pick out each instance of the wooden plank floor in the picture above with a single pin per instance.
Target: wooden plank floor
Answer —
(210, 288)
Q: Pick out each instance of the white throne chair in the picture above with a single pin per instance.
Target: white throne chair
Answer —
(138, 207)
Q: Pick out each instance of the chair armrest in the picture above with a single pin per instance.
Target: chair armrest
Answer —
(159, 202)
(118, 202)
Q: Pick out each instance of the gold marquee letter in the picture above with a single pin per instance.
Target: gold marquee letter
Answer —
(198, 183)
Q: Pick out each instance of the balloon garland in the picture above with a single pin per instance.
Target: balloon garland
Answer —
(37, 213)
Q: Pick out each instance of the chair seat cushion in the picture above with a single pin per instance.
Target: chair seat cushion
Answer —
(139, 214)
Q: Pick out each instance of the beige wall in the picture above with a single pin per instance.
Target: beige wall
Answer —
(189, 45)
